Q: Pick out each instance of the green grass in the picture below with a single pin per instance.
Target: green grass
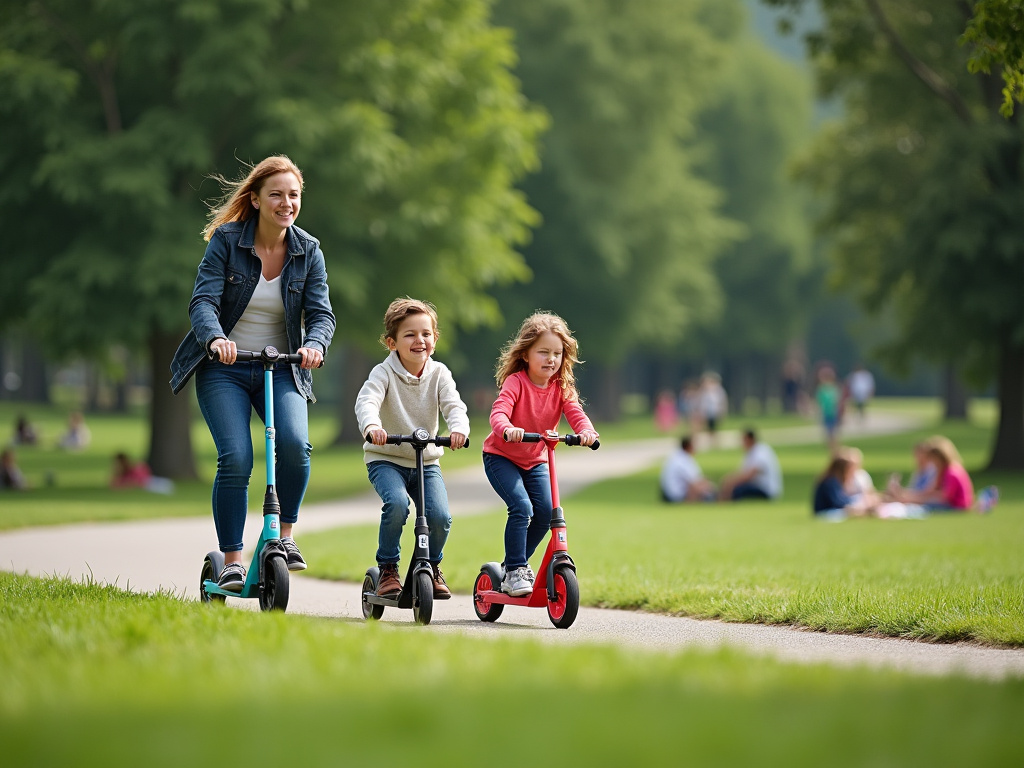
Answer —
(948, 578)
(93, 675)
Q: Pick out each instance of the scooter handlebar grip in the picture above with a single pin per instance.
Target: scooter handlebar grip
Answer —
(595, 445)
(532, 437)
(395, 439)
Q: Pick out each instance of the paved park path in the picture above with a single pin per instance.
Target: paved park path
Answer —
(167, 554)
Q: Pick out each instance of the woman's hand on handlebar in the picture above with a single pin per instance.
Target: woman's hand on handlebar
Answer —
(377, 436)
(458, 440)
(514, 434)
(313, 358)
(587, 437)
(226, 350)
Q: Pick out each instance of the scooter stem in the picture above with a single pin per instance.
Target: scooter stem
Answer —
(550, 445)
(268, 406)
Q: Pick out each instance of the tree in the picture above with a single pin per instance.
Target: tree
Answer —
(996, 32)
(630, 230)
(924, 185)
(404, 114)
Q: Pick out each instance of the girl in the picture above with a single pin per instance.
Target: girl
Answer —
(262, 282)
(401, 395)
(537, 387)
(952, 491)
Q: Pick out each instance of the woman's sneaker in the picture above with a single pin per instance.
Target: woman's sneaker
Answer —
(295, 559)
(516, 582)
(232, 578)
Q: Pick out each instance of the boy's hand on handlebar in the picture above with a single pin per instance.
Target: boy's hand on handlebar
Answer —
(311, 358)
(458, 440)
(588, 436)
(377, 436)
(226, 350)
(514, 435)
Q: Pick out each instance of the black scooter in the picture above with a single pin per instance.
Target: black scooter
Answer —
(418, 589)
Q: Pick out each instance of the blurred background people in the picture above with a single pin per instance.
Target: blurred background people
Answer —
(24, 432)
(11, 477)
(682, 479)
(827, 395)
(861, 386)
(792, 385)
(953, 490)
(759, 477)
(714, 403)
(128, 474)
(666, 412)
(78, 436)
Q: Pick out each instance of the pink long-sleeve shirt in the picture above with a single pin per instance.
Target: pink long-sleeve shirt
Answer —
(523, 404)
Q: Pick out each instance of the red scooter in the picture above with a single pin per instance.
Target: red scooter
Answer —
(556, 587)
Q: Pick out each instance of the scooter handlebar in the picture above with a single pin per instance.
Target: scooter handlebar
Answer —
(268, 355)
(536, 437)
(444, 442)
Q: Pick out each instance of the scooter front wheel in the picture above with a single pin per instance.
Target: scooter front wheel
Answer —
(274, 592)
(566, 605)
(486, 610)
(423, 601)
(212, 566)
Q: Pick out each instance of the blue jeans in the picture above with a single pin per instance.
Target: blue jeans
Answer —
(748, 491)
(527, 494)
(396, 486)
(227, 395)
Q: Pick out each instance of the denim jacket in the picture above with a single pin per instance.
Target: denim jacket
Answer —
(228, 275)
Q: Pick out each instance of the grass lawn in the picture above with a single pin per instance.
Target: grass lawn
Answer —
(96, 676)
(951, 577)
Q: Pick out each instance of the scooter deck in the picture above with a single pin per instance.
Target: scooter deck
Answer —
(536, 599)
(374, 599)
(212, 588)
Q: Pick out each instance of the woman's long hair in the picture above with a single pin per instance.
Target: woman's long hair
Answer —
(236, 203)
(513, 355)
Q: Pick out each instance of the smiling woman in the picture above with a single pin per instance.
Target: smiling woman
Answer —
(262, 282)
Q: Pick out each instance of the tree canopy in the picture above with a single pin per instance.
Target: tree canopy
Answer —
(404, 115)
(996, 36)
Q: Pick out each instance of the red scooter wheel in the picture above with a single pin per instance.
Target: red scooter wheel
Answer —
(485, 610)
(562, 611)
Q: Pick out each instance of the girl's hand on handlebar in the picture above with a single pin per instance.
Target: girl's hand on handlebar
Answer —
(312, 358)
(226, 350)
(376, 436)
(514, 435)
(458, 440)
(588, 436)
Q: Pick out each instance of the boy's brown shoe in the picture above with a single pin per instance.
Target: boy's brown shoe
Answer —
(389, 584)
(441, 591)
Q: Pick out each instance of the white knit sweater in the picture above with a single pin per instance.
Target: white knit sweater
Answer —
(398, 402)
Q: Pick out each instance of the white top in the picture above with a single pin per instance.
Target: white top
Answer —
(681, 470)
(713, 401)
(262, 323)
(399, 402)
(862, 385)
(768, 476)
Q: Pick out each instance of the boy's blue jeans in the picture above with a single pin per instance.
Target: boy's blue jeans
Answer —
(527, 494)
(396, 486)
(227, 395)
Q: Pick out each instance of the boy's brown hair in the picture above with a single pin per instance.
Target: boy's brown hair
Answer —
(399, 310)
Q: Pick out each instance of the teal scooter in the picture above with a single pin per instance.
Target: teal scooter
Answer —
(267, 578)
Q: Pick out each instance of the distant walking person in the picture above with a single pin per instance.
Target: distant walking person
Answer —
(861, 385)
(827, 396)
(682, 478)
(262, 282)
(760, 476)
(714, 403)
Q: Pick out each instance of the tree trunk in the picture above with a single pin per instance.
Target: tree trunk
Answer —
(955, 393)
(1008, 451)
(603, 398)
(170, 438)
(35, 385)
(355, 368)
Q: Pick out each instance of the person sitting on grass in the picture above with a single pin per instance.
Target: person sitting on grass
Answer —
(77, 436)
(129, 475)
(24, 432)
(682, 478)
(832, 497)
(760, 476)
(953, 490)
(11, 478)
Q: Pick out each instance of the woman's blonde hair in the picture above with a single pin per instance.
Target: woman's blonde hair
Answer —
(513, 354)
(399, 309)
(236, 203)
(942, 448)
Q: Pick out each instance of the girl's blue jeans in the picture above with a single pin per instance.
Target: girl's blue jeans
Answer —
(397, 488)
(527, 494)
(227, 396)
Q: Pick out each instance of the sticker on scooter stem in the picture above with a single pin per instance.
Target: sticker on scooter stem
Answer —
(273, 525)
(422, 541)
(561, 536)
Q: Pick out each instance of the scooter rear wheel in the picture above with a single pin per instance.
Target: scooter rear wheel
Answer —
(563, 610)
(423, 602)
(485, 610)
(274, 593)
(370, 611)
(212, 566)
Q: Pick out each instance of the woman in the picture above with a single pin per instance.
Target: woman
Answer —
(952, 490)
(261, 283)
